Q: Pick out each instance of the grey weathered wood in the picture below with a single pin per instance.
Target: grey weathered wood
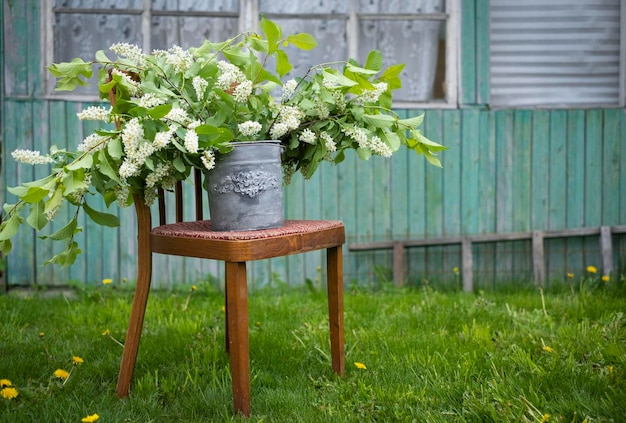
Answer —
(468, 265)
(398, 263)
(606, 249)
(539, 263)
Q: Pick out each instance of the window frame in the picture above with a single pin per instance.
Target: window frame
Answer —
(248, 17)
(621, 89)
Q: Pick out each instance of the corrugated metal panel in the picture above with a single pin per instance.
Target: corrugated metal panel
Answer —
(555, 52)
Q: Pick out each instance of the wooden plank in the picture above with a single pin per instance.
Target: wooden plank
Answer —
(400, 184)
(15, 32)
(522, 146)
(593, 168)
(613, 149)
(487, 180)
(557, 211)
(482, 51)
(452, 185)
(575, 176)
(468, 265)
(621, 164)
(434, 194)
(470, 167)
(504, 187)
(468, 52)
(539, 267)
(606, 250)
(540, 169)
(398, 264)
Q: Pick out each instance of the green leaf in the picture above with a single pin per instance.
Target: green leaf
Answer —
(413, 122)
(54, 201)
(391, 76)
(335, 77)
(380, 121)
(178, 164)
(432, 146)
(283, 66)
(6, 246)
(357, 69)
(66, 232)
(159, 111)
(66, 257)
(10, 227)
(35, 194)
(19, 191)
(69, 73)
(37, 218)
(106, 168)
(303, 41)
(104, 219)
(114, 148)
(272, 32)
(84, 162)
(374, 60)
(101, 57)
(74, 181)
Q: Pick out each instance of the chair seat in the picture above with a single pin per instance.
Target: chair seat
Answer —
(202, 229)
(196, 239)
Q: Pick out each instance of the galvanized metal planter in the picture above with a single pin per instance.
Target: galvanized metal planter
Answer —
(246, 188)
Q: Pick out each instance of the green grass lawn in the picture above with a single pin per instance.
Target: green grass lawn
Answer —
(431, 356)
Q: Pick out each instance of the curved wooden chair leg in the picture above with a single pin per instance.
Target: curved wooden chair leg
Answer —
(334, 263)
(140, 300)
(239, 349)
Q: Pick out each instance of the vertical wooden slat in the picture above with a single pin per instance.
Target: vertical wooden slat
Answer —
(613, 149)
(558, 194)
(539, 267)
(400, 183)
(434, 194)
(482, 52)
(468, 52)
(574, 131)
(487, 187)
(452, 189)
(504, 188)
(468, 265)
(540, 168)
(398, 263)
(606, 250)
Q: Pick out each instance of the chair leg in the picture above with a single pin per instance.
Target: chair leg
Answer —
(138, 310)
(140, 300)
(238, 344)
(334, 263)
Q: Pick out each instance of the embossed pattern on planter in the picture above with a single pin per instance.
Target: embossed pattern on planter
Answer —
(249, 183)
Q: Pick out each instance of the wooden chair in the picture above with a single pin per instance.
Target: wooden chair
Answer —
(195, 239)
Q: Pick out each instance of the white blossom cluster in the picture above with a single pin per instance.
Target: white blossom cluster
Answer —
(160, 172)
(179, 58)
(371, 96)
(379, 147)
(137, 149)
(340, 100)
(51, 214)
(208, 159)
(93, 142)
(191, 141)
(30, 157)
(288, 119)
(149, 101)
(288, 89)
(374, 144)
(162, 139)
(230, 76)
(249, 128)
(132, 85)
(130, 51)
(322, 110)
(177, 115)
(308, 136)
(95, 113)
(242, 91)
(329, 142)
(199, 85)
(121, 193)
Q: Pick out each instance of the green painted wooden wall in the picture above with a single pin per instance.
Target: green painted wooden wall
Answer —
(505, 171)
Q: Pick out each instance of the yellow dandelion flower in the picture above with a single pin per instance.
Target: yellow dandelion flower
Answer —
(360, 365)
(194, 288)
(548, 349)
(41, 335)
(9, 393)
(106, 332)
(592, 269)
(545, 418)
(570, 275)
(610, 369)
(77, 360)
(5, 382)
(90, 419)
(107, 281)
(61, 374)
(223, 309)
(455, 270)
(605, 278)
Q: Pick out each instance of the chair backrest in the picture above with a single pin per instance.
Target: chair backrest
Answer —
(179, 199)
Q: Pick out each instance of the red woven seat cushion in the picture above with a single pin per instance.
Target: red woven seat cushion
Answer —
(202, 229)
